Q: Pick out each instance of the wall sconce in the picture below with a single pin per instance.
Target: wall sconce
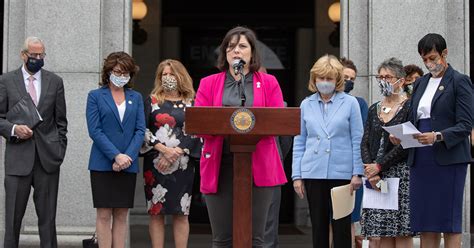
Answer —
(139, 11)
(334, 13)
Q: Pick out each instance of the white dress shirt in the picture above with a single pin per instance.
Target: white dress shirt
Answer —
(424, 107)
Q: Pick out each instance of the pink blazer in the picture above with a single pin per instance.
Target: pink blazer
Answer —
(266, 164)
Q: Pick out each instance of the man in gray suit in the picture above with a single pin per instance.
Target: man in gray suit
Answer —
(33, 157)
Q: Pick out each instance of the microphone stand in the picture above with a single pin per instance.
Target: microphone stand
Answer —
(242, 87)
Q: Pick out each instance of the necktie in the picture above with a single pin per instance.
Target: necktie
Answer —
(32, 89)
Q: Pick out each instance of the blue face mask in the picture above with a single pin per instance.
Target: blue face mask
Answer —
(119, 81)
(33, 65)
(325, 87)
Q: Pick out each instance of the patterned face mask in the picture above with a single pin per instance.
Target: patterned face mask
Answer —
(169, 83)
(435, 68)
(119, 81)
(386, 88)
(408, 89)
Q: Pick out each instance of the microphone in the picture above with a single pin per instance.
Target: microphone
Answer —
(238, 65)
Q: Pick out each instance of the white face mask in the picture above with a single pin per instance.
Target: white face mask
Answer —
(119, 81)
(169, 83)
(325, 87)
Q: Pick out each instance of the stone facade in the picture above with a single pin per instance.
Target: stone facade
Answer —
(77, 36)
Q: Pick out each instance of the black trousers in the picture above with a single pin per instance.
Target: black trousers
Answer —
(318, 192)
(45, 195)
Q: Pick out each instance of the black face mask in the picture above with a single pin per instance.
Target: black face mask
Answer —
(348, 86)
(34, 65)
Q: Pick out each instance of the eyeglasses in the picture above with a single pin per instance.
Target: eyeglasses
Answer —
(36, 55)
(386, 78)
(120, 73)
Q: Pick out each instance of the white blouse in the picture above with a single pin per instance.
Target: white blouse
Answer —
(424, 107)
(121, 110)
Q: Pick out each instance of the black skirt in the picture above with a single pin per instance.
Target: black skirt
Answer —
(112, 189)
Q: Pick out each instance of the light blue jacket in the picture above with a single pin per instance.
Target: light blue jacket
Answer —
(110, 135)
(328, 149)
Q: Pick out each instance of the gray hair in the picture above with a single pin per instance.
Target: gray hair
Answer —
(31, 40)
(394, 65)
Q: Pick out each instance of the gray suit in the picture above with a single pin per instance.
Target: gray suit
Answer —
(33, 162)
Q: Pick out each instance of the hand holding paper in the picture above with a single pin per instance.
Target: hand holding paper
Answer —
(386, 198)
(405, 132)
(427, 138)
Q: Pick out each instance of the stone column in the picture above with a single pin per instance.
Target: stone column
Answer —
(374, 30)
(77, 35)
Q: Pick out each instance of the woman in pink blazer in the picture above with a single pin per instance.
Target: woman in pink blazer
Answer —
(224, 89)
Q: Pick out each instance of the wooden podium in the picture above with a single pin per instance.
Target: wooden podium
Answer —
(244, 127)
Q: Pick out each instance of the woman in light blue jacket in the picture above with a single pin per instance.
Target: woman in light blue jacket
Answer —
(327, 152)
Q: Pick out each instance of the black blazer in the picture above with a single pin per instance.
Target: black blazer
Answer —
(452, 113)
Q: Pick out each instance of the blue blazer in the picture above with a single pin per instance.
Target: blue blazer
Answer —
(328, 149)
(111, 136)
(452, 114)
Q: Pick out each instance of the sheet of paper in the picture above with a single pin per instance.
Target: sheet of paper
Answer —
(404, 132)
(379, 200)
(342, 201)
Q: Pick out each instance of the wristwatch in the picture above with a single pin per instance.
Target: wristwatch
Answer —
(438, 137)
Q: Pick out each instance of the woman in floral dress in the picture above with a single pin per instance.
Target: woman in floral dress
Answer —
(169, 152)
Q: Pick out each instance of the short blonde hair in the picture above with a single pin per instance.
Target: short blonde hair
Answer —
(327, 66)
(185, 82)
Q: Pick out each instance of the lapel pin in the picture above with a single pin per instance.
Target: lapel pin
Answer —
(129, 101)
(441, 87)
(258, 85)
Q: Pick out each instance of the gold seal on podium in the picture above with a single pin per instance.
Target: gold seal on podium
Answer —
(242, 120)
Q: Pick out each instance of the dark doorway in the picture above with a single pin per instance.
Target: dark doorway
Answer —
(203, 24)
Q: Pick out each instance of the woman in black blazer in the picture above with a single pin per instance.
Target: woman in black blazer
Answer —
(442, 109)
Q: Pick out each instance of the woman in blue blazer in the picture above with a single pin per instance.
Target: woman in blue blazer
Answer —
(116, 124)
(327, 152)
(442, 109)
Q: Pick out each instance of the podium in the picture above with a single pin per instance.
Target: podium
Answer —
(244, 127)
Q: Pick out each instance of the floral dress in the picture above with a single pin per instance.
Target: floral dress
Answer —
(170, 191)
